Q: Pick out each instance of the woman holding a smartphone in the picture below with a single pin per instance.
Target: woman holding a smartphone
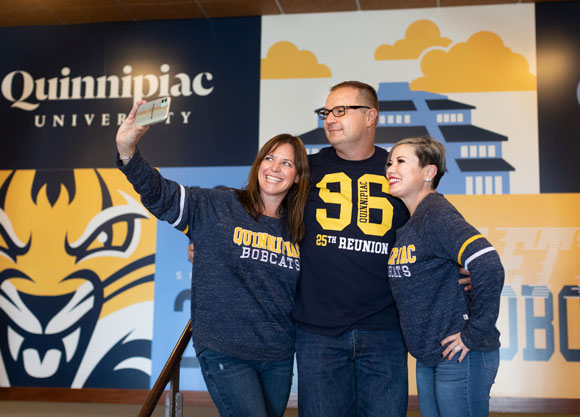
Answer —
(246, 267)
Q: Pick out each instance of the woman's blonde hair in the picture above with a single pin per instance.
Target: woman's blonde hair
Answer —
(429, 151)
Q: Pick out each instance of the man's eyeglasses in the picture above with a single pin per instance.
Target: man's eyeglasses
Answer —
(337, 111)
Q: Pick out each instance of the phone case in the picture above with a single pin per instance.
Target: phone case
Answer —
(153, 112)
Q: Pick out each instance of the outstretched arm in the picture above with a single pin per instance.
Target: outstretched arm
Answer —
(164, 198)
(129, 134)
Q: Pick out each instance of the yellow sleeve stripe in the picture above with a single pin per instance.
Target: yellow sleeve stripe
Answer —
(186, 230)
(465, 244)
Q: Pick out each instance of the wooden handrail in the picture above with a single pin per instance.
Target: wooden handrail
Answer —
(169, 373)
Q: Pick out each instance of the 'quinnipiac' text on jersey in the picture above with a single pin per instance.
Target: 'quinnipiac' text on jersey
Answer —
(424, 273)
(350, 227)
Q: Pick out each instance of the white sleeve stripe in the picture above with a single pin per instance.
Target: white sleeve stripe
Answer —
(181, 205)
(477, 255)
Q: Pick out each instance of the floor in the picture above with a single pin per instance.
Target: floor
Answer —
(52, 409)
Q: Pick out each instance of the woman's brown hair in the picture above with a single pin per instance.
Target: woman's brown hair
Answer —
(295, 200)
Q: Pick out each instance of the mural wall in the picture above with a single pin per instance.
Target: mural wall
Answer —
(467, 76)
(94, 292)
(81, 261)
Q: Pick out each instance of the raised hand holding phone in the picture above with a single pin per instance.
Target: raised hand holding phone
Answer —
(137, 122)
(129, 134)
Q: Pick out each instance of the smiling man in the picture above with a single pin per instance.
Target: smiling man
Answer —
(350, 352)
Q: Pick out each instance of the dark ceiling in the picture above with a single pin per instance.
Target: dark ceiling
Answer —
(62, 12)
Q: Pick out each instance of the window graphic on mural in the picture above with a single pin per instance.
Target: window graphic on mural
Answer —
(76, 280)
(474, 155)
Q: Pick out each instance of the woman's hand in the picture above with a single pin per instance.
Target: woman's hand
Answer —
(465, 279)
(190, 252)
(454, 345)
(129, 135)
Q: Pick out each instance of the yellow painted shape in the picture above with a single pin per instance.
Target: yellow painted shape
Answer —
(482, 63)
(285, 60)
(519, 210)
(420, 35)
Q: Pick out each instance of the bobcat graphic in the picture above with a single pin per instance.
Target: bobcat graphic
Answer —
(76, 280)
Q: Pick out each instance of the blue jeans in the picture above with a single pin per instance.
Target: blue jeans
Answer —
(360, 373)
(453, 389)
(247, 388)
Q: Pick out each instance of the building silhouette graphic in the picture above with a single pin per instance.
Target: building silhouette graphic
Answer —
(474, 155)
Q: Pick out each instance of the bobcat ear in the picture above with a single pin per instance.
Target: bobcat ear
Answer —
(4, 189)
(54, 182)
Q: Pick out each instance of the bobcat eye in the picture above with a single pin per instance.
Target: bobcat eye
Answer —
(114, 231)
(10, 246)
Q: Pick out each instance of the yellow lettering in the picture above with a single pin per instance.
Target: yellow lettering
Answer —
(247, 238)
(403, 255)
(393, 257)
(238, 235)
(271, 243)
(412, 258)
(377, 203)
(342, 198)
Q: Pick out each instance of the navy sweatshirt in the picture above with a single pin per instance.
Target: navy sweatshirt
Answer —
(423, 271)
(244, 271)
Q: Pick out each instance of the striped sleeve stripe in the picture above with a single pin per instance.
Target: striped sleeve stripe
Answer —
(476, 255)
(181, 205)
(464, 246)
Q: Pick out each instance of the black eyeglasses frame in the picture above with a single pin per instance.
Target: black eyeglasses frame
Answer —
(323, 113)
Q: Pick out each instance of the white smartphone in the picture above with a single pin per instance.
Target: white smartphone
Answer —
(153, 112)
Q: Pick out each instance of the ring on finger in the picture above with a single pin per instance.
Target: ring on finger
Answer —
(457, 348)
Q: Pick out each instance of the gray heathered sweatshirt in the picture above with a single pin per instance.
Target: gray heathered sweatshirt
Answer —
(423, 272)
(244, 271)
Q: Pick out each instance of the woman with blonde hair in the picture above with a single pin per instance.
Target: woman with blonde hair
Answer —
(451, 333)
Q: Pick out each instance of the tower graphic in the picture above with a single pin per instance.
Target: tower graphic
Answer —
(474, 155)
